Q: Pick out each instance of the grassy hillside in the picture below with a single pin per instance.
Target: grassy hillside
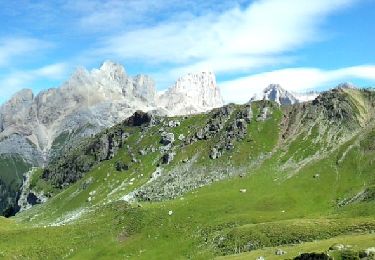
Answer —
(297, 178)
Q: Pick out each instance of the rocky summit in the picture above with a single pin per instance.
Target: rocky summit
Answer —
(192, 94)
(281, 96)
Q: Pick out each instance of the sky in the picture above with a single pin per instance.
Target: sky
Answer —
(303, 45)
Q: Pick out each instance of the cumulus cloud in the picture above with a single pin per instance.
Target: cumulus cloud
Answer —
(293, 79)
(18, 80)
(111, 15)
(16, 47)
(238, 38)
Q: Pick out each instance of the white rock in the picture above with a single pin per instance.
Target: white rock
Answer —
(370, 250)
(280, 252)
(193, 93)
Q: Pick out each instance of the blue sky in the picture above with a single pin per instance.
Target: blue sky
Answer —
(301, 44)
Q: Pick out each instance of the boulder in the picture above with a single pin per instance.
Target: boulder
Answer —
(337, 247)
(247, 114)
(121, 166)
(280, 252)
(312, 256)
(174, 123)
(215, 153)
(370, 251)
(167, 157)
(167, 138)
(139, 118)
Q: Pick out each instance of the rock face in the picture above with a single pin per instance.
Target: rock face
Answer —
(88, 101)
(192, 94)
(93, 100)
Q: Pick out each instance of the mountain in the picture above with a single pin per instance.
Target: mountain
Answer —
(276, 93)
(37, 129)
(192, 94)
(253, 181)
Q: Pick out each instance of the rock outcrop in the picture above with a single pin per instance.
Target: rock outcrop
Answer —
(28, 197)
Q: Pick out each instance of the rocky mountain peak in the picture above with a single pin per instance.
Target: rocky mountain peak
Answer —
(22, 96)
(79, 77)
(346, 85)
(278, 94)
(192, 93)
(193, 80)
(112, 69)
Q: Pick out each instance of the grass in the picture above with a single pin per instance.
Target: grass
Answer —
(358, 242)
(297, 212)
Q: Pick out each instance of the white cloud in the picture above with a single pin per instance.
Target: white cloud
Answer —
(293, 79)
(54, 71)
(15, 47)
(18, 80)
(111, 15)
(235, 39)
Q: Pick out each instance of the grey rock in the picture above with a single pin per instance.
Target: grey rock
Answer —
(370, 251)
(337, 247)
(264, 114)
(248, 114)
(121, 166)
(173, 123)
(167, 158)
(214, 154)
(167, 138)
(280, 252)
